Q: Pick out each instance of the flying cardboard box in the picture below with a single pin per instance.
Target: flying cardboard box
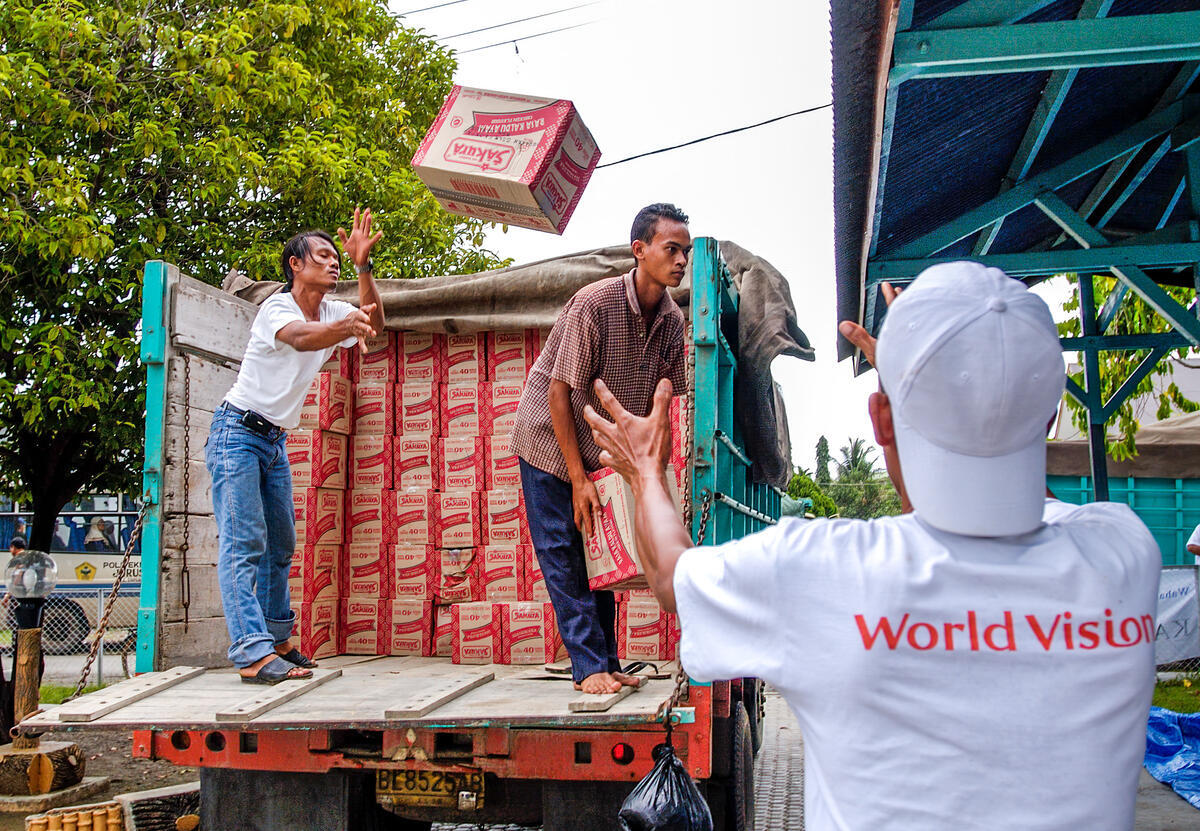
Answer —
(611, 550)
(508, 158)
(327, 404)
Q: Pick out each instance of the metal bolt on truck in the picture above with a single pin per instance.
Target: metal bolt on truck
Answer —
(401, 741)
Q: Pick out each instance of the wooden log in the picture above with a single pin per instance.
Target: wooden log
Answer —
(49, 767)
(26, 683)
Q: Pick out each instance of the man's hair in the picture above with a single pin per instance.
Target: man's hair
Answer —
(647, 219)
(17, 542)
(298, 247)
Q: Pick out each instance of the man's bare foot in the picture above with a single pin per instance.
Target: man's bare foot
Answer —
(599, 683)
(628, 680)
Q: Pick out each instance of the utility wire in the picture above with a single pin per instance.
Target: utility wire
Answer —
(512, 22)
(527, 37)
(715, 135)
(431, 8)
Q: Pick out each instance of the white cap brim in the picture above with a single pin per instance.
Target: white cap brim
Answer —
(978, 496)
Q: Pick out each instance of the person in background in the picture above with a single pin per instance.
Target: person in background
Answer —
(986, 660)
(629, 332)
(96, 539)
(293, 334)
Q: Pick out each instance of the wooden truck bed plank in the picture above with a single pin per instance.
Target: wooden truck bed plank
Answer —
(92, 707)
(271, 697)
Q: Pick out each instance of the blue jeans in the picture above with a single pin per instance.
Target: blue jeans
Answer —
(586, 619)
(256, 533)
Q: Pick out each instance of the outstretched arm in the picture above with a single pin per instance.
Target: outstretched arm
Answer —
(358, 245)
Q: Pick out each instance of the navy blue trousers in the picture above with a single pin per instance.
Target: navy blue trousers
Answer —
(586, 619)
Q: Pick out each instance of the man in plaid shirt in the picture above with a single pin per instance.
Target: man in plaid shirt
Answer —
(628, 332)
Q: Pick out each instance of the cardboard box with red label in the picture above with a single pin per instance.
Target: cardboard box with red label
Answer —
(463, 408)
(458, 522)
(511, 354)
(500, 566)
(419, 408)
(503, 467)
(313, 576)
(501, 401)
(611, 552)
(681, 430)
(319, 516)
(375, 409)
(417, 462)
(533, 582)
(414, 573)
(364, 626)
(369, 517)
(475, 633)
(317, 458)
(464, 463)
(414, 516)
(459, 576)
(327, 404)
(411, 628)
(366, 572)
(379, 363)
(443, 631)
(528, 634)
(372, 460)
(504, 518)
(315, 628)
(508, 158)
(422, 357)
(644, 631)
(466, 359)
(341, 362)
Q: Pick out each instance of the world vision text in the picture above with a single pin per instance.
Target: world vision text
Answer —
(1062, 631)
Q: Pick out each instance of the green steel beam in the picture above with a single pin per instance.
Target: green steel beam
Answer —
(1191, 157)
(1112, 305)
(1143, 161)
(154, 358)
(1046, 263)
(1088, 236)
(1124, 343)
(1127, 389)
(1024, 193)
(904, 15)
(1077, 392)
(1097, 437)
(1037, 47)
(974, 13)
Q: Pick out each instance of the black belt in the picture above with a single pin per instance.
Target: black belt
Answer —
(254, 422)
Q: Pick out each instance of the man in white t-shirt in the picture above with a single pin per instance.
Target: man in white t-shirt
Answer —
(294, 333)
(984, 662)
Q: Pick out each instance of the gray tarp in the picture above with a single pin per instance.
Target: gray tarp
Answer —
(532, 295)
(1168, 449)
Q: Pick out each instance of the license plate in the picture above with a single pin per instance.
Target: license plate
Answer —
(429, 788)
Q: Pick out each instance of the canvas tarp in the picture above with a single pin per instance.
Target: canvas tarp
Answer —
(531, 295)
(1168, 449)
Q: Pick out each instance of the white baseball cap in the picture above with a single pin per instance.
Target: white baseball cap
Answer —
(971, 364)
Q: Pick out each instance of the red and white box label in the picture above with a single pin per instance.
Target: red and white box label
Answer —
(318, 515)
(533, 582)
(501, 569)
(315, 627)
(368, 517)
(611, 552)
(503, 467)
(681, 430)
(377, 365)
(466, 358)
(414, 516)
(372, 459)
(458, 524)
(411, 628)
(463, 408)
(341, 362)
(502, 399)
(504, 518)
(327, 404)
(374, 409)
(414, 572)
(464, 463)
(417, 462)
(313, 576)
(459, 576)
(366, 572)
(475, 633)
(443, 631)
(511, 354)
(419, 408)
(317, 458)
(528, 634)
(644, 632)
(422, 357)
(363, 627)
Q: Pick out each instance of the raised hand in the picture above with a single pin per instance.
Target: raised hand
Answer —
(859, 336)
(359, 243)
(629, 444)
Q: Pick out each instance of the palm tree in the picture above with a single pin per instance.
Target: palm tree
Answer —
(857, 458)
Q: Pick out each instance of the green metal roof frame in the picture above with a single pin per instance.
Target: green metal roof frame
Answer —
(983, 37)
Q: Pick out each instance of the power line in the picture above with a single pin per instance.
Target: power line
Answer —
(527, 37)
(513, 22)
(715, 135)
(431, 8)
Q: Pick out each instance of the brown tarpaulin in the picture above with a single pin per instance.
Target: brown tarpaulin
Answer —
(531, 295)
(1168, 449)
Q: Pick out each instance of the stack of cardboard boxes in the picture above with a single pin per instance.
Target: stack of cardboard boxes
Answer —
(411, 535)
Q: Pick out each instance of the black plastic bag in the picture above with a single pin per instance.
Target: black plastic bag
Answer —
(666, 799)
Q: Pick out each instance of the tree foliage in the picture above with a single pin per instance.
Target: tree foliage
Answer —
(823, 459)
(203, 133)
(1133, 317)
(861, 490)
(802, 486)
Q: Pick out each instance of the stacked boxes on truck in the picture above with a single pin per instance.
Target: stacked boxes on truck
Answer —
(412, 537)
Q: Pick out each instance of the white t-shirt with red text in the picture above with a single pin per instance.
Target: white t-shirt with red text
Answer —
(943, 681)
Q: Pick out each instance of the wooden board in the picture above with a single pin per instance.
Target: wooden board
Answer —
(438, 692)
(123, 694)
(202, 534)
(204, 590)
(272, 697)
(209, 379)
(599, 703)
(210, 321)
(199, 485)
(205, 643)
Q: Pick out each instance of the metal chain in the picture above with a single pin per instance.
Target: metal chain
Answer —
(102, 624)
(185, 575)
(705, 510)
(685, 426)
(681, 677)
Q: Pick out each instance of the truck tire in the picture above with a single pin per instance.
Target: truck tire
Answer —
(731, 798)
(64, 626)
(754, 696)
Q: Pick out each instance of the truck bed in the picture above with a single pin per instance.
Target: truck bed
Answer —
(360, 697)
